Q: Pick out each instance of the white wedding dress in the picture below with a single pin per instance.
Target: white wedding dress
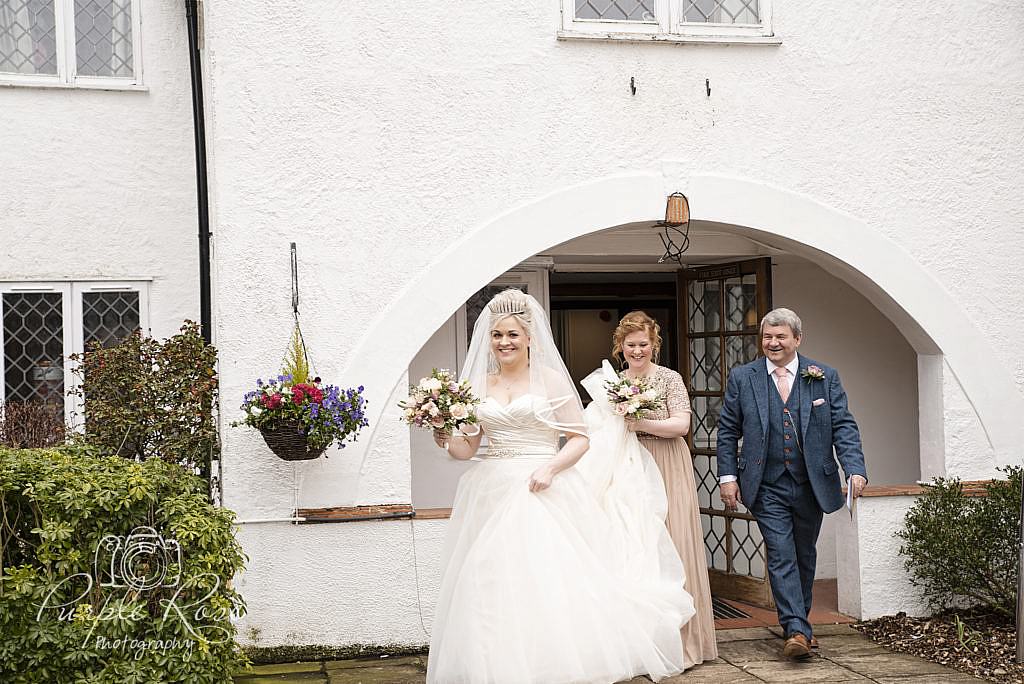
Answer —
(537, 587)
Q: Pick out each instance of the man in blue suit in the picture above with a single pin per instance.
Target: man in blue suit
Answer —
(790, 412)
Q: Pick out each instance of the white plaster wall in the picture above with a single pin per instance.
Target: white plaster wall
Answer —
(101, 184)
(378, 137)
(967, 450)
(872, 579)
(339, 584)
(375, 147)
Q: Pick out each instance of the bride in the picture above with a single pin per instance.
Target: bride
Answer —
(537, 586)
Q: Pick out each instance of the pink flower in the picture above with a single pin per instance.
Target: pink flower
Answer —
(620, 409)
(437, 421)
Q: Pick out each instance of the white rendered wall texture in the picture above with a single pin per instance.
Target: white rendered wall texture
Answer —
(101, 184)
(376, 138)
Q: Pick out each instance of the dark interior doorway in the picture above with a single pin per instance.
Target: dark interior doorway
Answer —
(586, 307)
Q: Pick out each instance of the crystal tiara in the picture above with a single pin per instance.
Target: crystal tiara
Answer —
(509, 306)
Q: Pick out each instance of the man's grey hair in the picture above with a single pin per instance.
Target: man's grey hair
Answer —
(783, 316)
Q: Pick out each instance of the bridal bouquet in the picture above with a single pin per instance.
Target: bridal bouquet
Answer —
(440, 402)
(633, 396)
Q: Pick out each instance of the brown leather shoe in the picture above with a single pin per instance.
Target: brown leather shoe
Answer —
(814, 643)
(796, 646)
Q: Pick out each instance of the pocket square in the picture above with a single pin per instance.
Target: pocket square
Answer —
(817, 402)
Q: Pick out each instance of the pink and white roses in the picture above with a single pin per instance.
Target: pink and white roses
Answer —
(440, 402)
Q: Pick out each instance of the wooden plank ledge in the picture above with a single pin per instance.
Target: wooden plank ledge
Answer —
(970, 488)
(433, 513)
(356, 513)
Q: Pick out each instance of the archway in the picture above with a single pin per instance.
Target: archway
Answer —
(860, 254)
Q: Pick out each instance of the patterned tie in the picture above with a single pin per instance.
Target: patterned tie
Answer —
(783, 377)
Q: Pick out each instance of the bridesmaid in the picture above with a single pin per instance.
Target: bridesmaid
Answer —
(637, 339)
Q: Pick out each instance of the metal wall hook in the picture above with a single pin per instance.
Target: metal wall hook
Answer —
(632, 84)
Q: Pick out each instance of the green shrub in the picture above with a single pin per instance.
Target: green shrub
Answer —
(62, 513)
(145, 398)
(965, 549)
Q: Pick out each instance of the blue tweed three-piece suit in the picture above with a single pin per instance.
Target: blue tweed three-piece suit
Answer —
(788, 476)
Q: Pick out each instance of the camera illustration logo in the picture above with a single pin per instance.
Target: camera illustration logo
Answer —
(141, 560)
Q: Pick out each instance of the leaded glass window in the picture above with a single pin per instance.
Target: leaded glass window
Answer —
(33, 324)
(103, 37)
(109, 317)
(28, 37)
(44, 322)
(100, 45)
(721, 11)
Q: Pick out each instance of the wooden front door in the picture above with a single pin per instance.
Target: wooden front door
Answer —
(720, 308)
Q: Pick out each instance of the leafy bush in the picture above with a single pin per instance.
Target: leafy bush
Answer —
(31, 424)
(71, 522)
(965, 549)
(145, 398)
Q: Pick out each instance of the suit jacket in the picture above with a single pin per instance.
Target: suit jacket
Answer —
(823, 426)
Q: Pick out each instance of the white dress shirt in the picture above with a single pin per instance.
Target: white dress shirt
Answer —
(791, 369)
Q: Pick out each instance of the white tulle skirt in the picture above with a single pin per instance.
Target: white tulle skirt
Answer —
(535, 590)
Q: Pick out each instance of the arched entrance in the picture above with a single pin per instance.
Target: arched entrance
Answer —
(859, 254)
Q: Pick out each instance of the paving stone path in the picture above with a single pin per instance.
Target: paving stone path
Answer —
(745, 655)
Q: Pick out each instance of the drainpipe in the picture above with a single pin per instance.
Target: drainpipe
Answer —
(202, 197)
(202, 192)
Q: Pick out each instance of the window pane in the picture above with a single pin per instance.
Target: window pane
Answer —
(706, 364)
(721, 11)
(109, 317)
(28, 37)
(617, 10)
(704, 306)
(741, 303)
(103, 38)
(34, 346)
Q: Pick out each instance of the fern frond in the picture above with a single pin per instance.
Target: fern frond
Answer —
(296, 364)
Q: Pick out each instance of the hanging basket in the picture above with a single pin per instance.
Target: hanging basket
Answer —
(289, 444)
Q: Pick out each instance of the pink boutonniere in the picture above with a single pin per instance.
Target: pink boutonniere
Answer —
(812, 373)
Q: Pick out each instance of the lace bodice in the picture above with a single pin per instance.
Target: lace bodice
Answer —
(514, 431)
(671, 385)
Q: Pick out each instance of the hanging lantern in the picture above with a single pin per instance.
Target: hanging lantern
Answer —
(677, 210)
(675, 240)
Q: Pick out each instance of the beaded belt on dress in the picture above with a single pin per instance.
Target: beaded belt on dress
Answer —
(512, 452)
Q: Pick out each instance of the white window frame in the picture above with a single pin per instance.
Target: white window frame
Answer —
(67, 58)
(74, 336)
(668, 27)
